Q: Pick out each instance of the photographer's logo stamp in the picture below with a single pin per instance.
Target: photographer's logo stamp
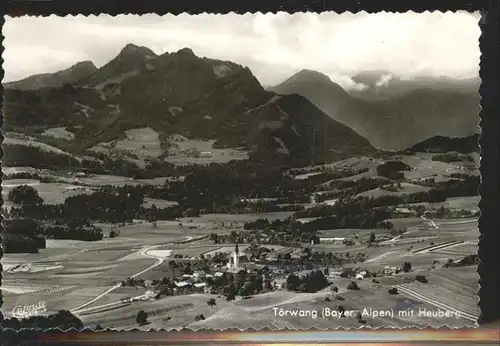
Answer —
(26, 311)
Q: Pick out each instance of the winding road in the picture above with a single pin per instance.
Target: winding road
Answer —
(145, 252)
(142, 252)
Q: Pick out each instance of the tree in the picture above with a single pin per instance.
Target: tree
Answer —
(326, 272)
(199, 317)
(230, 296)
(112, 234)
(63, 319)
(142, 317)
(406, 267)
(372, 238)
(334, 289)
(26, 195)
(293, 282)
(211, 302)
(353, 286)
(393, 290)
(422, 279)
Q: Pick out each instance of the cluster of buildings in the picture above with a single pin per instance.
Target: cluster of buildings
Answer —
(197, 281)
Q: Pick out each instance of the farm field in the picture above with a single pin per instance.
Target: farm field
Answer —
(456, 287)
(59, 132)
(19, 139)
(159, 203)
(181, 145)
(52, 193)
(142, 142)
(98, 180)
(468, 203)
(406, 188)
(423, 167)
(88, 272)
(240, 218)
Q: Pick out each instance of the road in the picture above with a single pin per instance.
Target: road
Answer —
(391, 241)
(432, 223)
(459, 222)
(440, 246)
(145, 253)
(415, 295)
(142, 252)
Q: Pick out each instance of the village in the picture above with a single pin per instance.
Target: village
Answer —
(272, 272)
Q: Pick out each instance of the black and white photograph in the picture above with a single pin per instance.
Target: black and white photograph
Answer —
(235, 171)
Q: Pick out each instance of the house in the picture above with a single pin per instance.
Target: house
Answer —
(200, 287)
(388, 270)
(150, 294)
(182, 284)
(335, 240)
(199, 274)
(403, 210)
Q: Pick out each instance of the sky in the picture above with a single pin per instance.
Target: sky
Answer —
(273, 46)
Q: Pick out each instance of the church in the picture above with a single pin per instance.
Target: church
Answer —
(236, 259)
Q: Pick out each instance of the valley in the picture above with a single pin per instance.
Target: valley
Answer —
(87, 277)
(166, 189)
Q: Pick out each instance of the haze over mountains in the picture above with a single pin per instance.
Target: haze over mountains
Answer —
(381, 85)
(407, 113)
(180, 93)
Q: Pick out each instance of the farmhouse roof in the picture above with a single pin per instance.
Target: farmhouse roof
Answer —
(182, 283)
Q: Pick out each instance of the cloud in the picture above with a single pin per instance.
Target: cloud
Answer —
(347, 83)
(384, 80)
(271, 45)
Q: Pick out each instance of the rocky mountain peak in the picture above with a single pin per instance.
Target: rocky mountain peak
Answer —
(186, 52)
(139, 51)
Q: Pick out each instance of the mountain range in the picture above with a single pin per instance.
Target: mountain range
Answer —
(397, 122)
(180, 93)
(308, 118)
(50, 80)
